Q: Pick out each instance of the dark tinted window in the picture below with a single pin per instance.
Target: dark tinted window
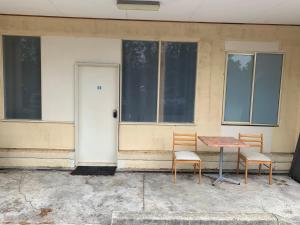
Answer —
(177, 83)
(139, 81)
(22, 77)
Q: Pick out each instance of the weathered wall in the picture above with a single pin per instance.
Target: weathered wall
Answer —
(148, 146)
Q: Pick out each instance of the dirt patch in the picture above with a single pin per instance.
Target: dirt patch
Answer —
(23, 223)
(44, 212)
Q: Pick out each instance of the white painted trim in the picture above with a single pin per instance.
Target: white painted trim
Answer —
(76, 105)
(253, 88)
(281, 86)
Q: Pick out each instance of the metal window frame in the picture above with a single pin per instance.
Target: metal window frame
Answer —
(254, 53)
(2, 80)
(121, 122)
(158, 122)
(2, 113)
(158, 82)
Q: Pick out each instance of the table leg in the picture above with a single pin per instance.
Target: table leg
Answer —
(221, 178)
(221, 162)
(230, 180)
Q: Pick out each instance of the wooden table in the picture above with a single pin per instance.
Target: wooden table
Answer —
(221, 142)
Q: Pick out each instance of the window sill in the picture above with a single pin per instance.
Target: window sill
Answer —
(249, 125)
(157, 124)
(34, 121)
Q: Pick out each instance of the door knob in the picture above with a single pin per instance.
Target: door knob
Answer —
(115, 113)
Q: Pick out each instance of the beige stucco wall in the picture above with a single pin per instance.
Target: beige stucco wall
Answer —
(57, 71)
(141, 143)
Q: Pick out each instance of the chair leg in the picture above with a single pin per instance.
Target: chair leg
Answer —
(246, 171)
(175, 172)
(194, 165)
(238, 165)
(172, 166)
(270, 175)
(199, 172)
(259, 170)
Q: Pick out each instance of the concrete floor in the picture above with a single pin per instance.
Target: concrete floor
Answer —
(48, 197)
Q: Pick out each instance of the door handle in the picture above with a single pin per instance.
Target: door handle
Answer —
(115, 113)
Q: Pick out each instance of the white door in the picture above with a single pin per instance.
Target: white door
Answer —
(97, 119)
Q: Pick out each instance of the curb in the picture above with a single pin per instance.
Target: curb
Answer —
(187, 218)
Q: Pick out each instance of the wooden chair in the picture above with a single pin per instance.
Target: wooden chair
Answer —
(185, 156)
(252, 156)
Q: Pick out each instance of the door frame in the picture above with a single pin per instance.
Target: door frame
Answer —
(76, 101)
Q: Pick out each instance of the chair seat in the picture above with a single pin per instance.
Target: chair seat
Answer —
(186, 155)
(252, 155)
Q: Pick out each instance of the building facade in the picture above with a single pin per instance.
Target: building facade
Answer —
(50, 139)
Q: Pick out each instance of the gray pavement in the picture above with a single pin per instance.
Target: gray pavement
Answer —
(56, 197)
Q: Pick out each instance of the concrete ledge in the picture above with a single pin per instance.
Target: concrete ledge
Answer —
(161, 160)
(183, 218)
(36, 158)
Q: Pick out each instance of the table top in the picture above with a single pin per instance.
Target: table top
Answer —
(220, 141)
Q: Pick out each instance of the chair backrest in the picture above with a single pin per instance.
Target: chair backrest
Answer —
(180, 139)
(253, 140)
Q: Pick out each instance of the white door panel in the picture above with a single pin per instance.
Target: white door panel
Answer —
(97, 98)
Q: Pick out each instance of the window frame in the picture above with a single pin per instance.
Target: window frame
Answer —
(121, 83)
(254, 54)
(2, 79)
(157, 122)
